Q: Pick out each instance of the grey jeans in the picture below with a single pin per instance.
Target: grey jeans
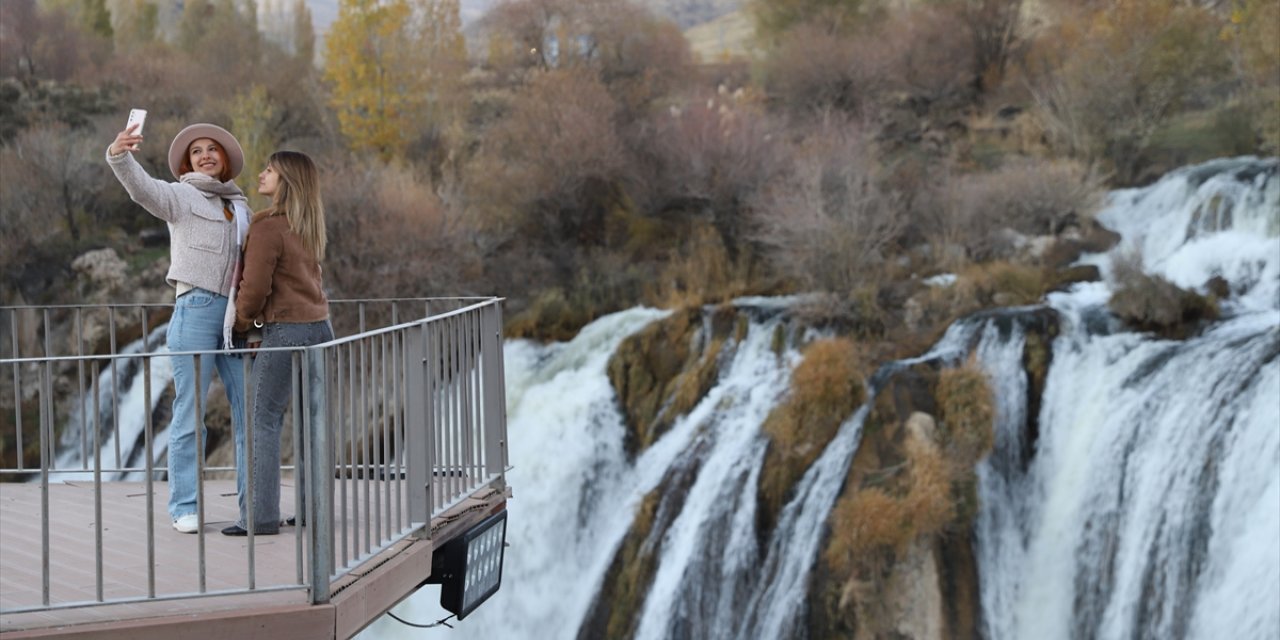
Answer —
(274, 381)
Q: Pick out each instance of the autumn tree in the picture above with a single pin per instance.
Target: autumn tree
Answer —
(396, 237)
(92, 16)
(775, 17)
(707, 159)
(637, 56)
(1255, 30)
(45, 44)
(254, 120)
(1110, 78)
(303, 33)
(993, 28)
(830, 223)
(135, 23)
(211, 30)
(61, 170)
(919, 53)
(548, 173)
(394, 67)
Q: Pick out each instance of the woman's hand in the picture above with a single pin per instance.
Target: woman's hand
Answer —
(126, 140)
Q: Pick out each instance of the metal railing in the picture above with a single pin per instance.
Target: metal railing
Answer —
(402, 421)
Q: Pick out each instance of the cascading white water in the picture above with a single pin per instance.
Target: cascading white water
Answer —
(579, 494)
(574, 493)
(1152, 506)
(1147, 506)
(127, 421)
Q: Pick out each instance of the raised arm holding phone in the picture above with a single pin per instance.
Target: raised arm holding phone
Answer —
(208, 219)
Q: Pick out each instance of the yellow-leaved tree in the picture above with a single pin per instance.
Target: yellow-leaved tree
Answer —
(395, 68)
(255, 120)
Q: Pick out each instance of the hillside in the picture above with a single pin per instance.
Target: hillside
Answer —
(727, 36)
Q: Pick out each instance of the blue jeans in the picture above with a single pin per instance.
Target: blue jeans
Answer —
(197, 326)
(274, 382)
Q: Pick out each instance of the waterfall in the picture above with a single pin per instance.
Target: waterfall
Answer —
(577, 495)
(1151, 508)
(1146, 503)
(75, 447)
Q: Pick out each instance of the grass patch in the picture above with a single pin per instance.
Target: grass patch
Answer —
(966, 406)
(1198, 136)
(877, 519)
(825, 389)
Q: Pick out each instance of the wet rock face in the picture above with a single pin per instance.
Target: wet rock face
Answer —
(899, 561)
(663, 371)
(908, 572)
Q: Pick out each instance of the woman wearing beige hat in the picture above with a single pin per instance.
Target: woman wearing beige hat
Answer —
(208, 217)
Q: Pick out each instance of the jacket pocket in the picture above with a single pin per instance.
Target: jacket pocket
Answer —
(206, 235)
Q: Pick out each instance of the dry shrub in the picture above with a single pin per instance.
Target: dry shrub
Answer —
(817, 68)
(874, 519)
(993, 27)
(860, 313)
(995, 284)
(1005, 284)
(1152, 303)
(702, 273)
(929, 505)
(52, 177)
(637, 56)
(930, 57)
(1030, 196)
(1109, 76)
(706, 158)
(546, 174)
(829, 224)
(966, 406)
(814, 69)
(391, 235)
(774, 17)
(43, 42)
(825, 389)
(550, 316)
(605, 282)
(871, 519)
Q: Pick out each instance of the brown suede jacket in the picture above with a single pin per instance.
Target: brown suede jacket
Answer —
(281, 281)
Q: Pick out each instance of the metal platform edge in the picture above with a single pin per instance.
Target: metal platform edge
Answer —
(359, 597)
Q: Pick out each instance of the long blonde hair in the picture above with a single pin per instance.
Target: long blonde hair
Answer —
(298, 197)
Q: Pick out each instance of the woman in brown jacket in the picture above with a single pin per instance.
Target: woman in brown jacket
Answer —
(283, 293)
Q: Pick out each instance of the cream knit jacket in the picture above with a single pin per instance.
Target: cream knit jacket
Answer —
(203, 245)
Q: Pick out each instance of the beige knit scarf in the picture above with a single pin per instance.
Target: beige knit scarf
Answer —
(233, 197)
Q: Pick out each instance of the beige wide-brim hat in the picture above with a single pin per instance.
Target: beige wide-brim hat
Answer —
(230, 146)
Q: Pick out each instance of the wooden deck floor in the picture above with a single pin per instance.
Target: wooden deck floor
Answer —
(73, 568)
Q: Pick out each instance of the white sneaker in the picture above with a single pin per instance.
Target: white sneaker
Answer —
(187, 524)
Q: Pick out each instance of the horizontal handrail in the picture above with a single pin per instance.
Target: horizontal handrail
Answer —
(395, 424)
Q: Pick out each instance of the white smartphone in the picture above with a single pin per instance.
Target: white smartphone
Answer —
(138, 116)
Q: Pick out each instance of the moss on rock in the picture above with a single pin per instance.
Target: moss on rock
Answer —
(663, 371)
(825, 388)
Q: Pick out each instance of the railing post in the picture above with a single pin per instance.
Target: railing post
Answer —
(417, 442)
(319, 469)
(495, 402)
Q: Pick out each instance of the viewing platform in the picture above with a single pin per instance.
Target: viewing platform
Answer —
(406, 422)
